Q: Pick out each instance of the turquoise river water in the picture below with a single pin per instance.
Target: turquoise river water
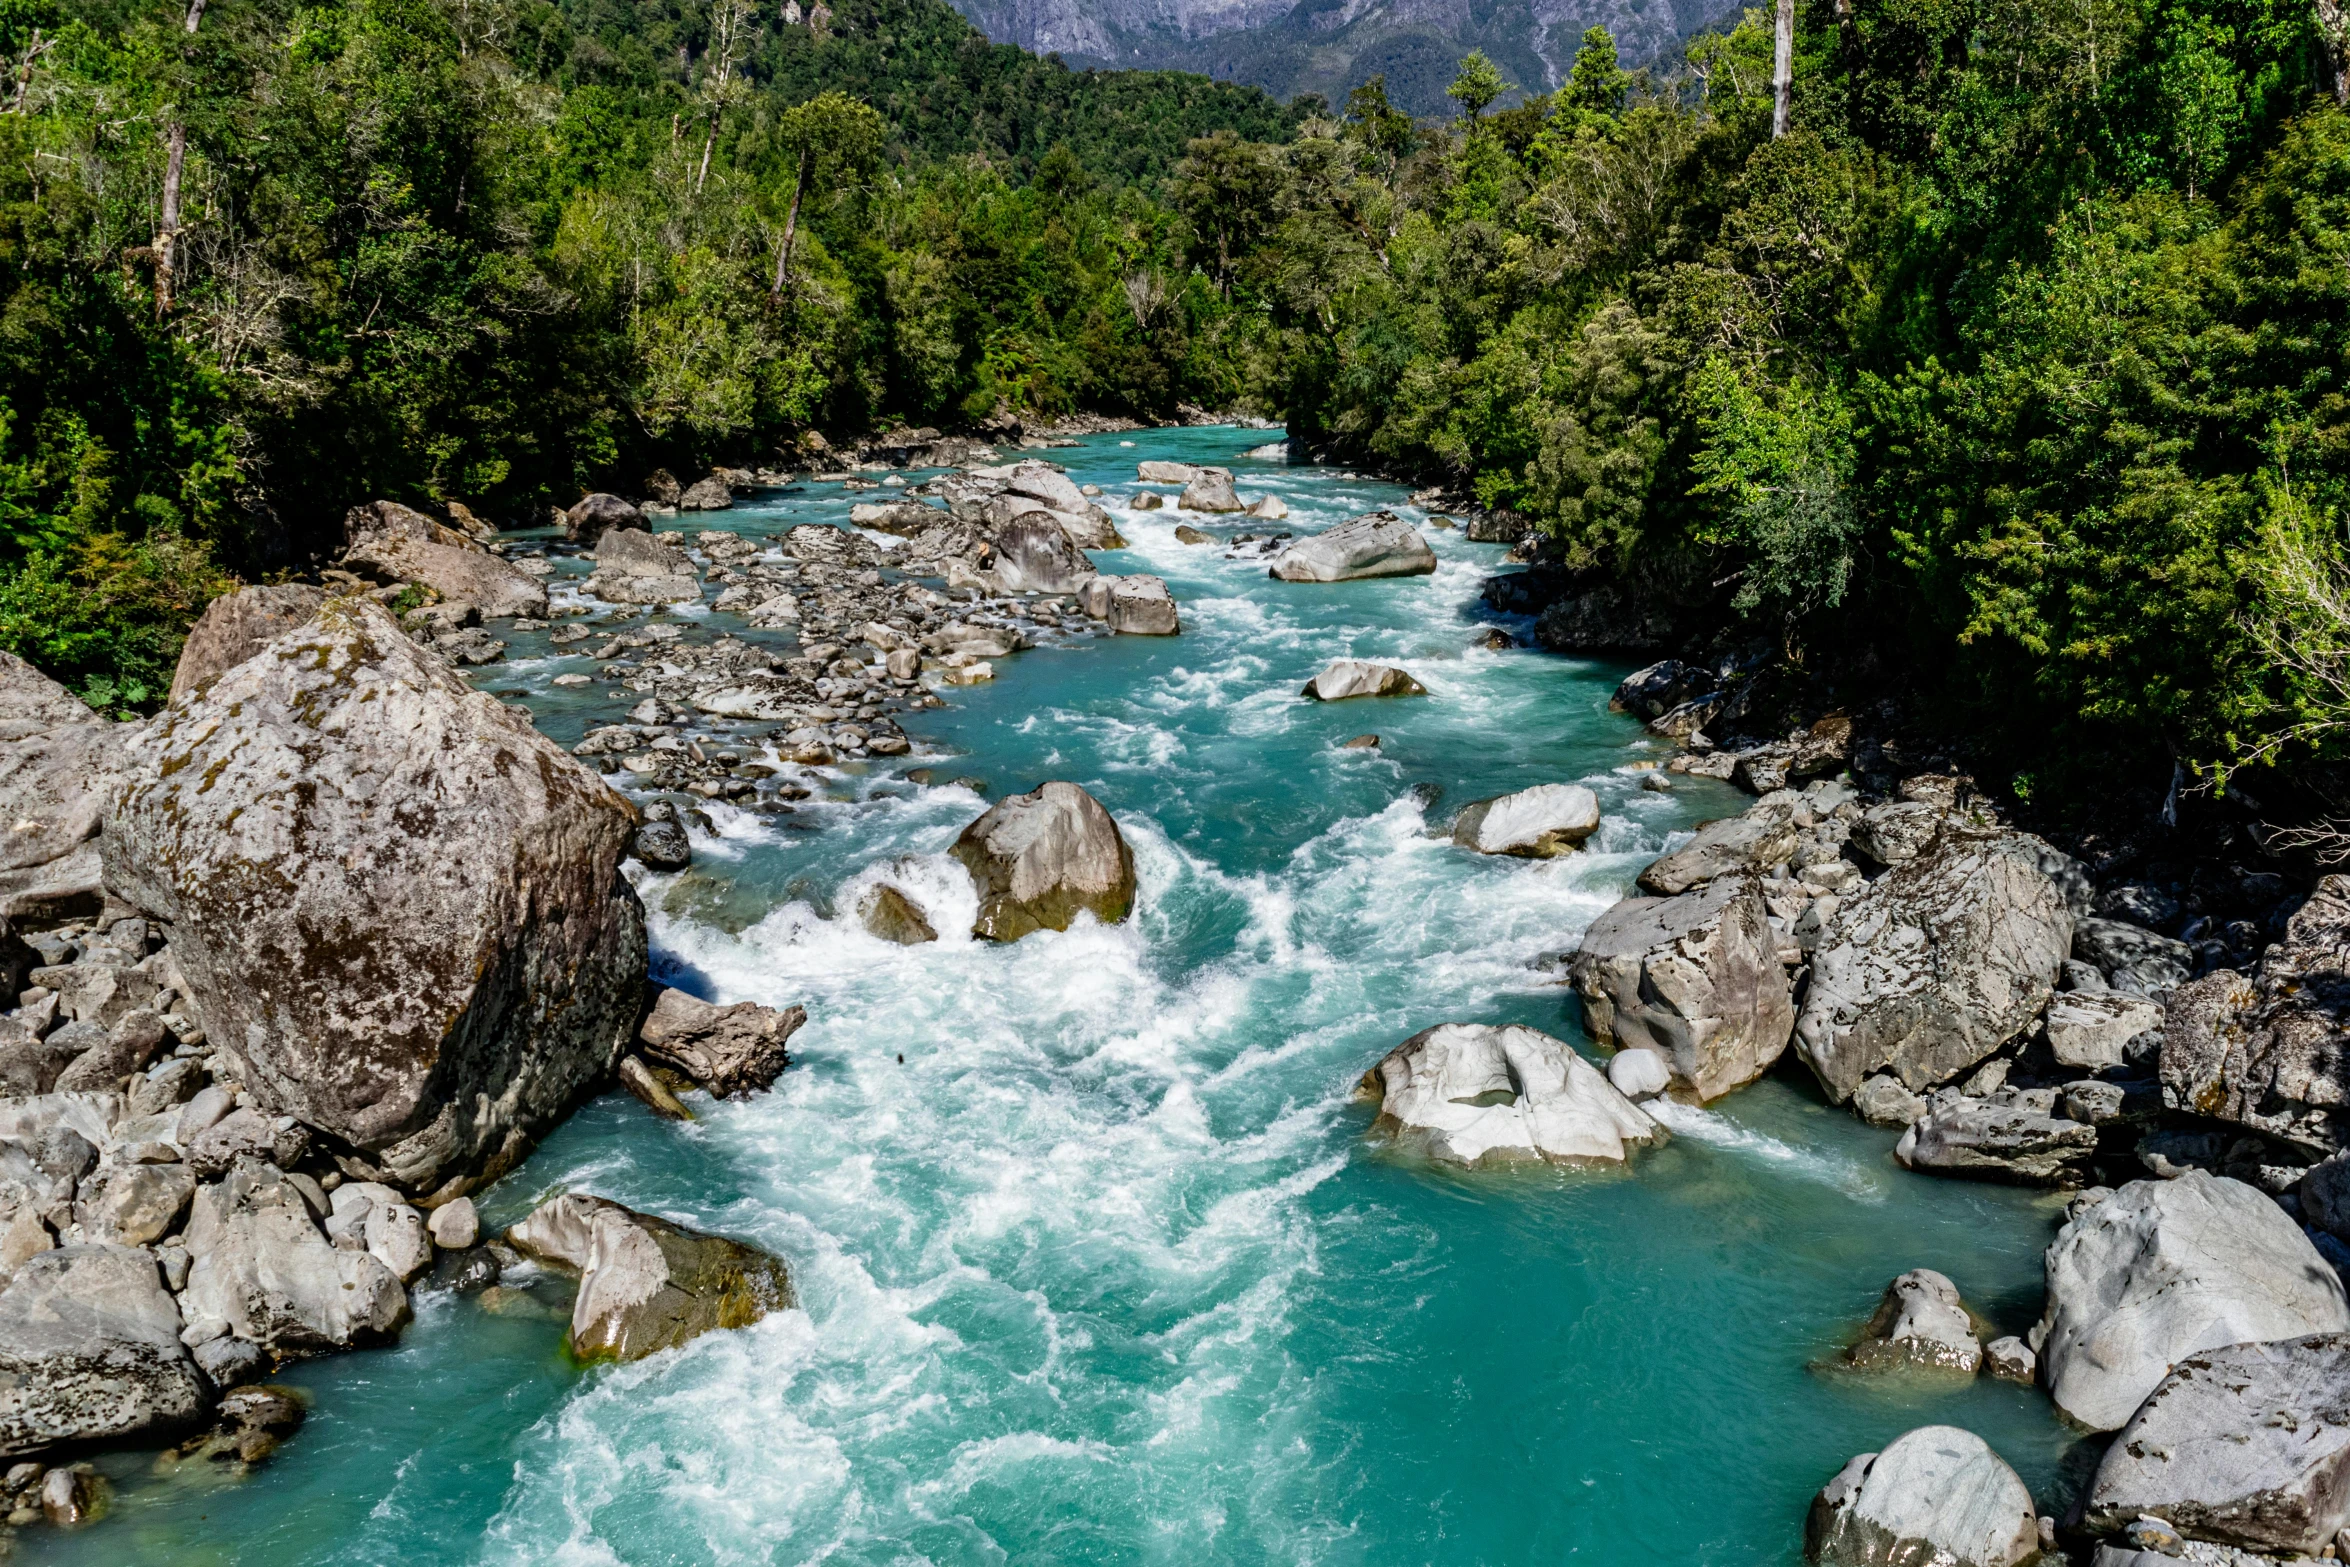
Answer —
(1109, 1268)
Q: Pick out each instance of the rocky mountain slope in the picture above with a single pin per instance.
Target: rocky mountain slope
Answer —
(1329, 46)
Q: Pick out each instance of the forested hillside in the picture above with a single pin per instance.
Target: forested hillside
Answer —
(265, 260)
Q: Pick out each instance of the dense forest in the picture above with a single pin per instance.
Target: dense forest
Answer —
(2013, 357)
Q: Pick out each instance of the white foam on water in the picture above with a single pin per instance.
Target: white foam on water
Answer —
(1860, 1181)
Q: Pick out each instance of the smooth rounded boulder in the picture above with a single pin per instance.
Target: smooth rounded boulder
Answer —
(1352, 677)
(646, 1284)
(398, 907)
(236, 625)
(1210, 490)
(1937, 1495)
(1033, 554)
(1377, 544)
(2164, 1270)
(1141, 606)
(1474, 1093)
(1540, 823)
(593, 516)
(1921, 1322)
(1696, 979)
(1042, 858)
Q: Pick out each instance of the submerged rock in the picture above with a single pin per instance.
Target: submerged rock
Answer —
(1934, 965)
(398, 907)
(891, 915)
(1469, 1093)
(90, 1351)
(645, 1284)
(732, 1050)
(2163, 1270)
(2246, 1446)
(1041, 858)
(1695, 979)
(1921, 1322)
(1377, 544)
(1540, 823)
(1938, 1495)
(1351, 677)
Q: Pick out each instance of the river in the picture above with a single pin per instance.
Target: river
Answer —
(1099, 1260)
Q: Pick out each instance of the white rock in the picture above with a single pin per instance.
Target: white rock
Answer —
(1539, 823)
(455, 1225)
(2162, 1270)
(1468, 1092)
(1938, 1495)
(1639, 1074)
(2090, 1031)
(1377, 544)
(1696, 978)
(396, 1238)
(1352, 677)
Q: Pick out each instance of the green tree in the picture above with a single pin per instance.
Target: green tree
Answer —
(1480, 82)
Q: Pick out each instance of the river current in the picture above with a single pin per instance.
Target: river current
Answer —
(1098, 1258)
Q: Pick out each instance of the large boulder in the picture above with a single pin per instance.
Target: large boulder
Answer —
(1153, 471)
(1141, 606)
(398, 544)
(633, 567)
(645, 1284)
(1921, 1322)
(1937, 1496)
(236, 626)
(1472, 1093)
(2132, 958)
(1033, 555)
(593, 516)
(2094, 1030)
(1210, 490)
(1743, 845)
(1661, 687)
(1041, 858)
(1540, 823)
(2162, 1270)
(711, 493)
(2271, 1050)
(1049, 486)
(263, 1271)
(1991, 1141)
(732, 1051)
(2246, 1446)
(90, 1351)
(1935, 964)
(58, 763)
(398, 907)
(1696, 979)
(1376, 544)
(1353, 677)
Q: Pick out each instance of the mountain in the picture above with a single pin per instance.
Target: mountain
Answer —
(1330, 46)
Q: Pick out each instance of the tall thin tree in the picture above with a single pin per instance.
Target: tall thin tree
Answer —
(174, 170)
(1783, 68)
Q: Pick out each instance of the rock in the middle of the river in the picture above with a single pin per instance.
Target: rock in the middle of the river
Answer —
(1041, 857)
(399, 908)
(645, 1284)
(1696, 979)
(1472, 1092)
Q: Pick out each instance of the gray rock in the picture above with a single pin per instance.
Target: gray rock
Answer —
(595, 515)
(1660, 688)
(2325, 1195)
(100, 989)
(1141, 606)
(399, 544)
(1991, 1141)
(891, 915)
(1937, 1496)
(229, 1362)
(31, 1063)
(2162, 1270)
(1921, 1322)
(2093, 1032)
(645, 1284)
(1540, 823)
(130, 1044)
(661, 846)
(1470, 1093)
(2271, 1051)
(238, 625)
(1882, 1101)
(1695, 979)
(1897, 833)
(2247, 1445)
(1041, 858)
(2132, 958)
(263, 1271)
(59, 763)
(709, 494)
(398, 907)
(1377, 544)
(133, 1205)
(1156, 472)
(2011, 1360)
(1352, 677)
(90, 1351)
(732, 1051)
(905, 519)
(396, 1238)
(1744, 845)
(1210, 490)
(958, 636)
(1033, 554)
(455, 1225)
(1933, 966)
